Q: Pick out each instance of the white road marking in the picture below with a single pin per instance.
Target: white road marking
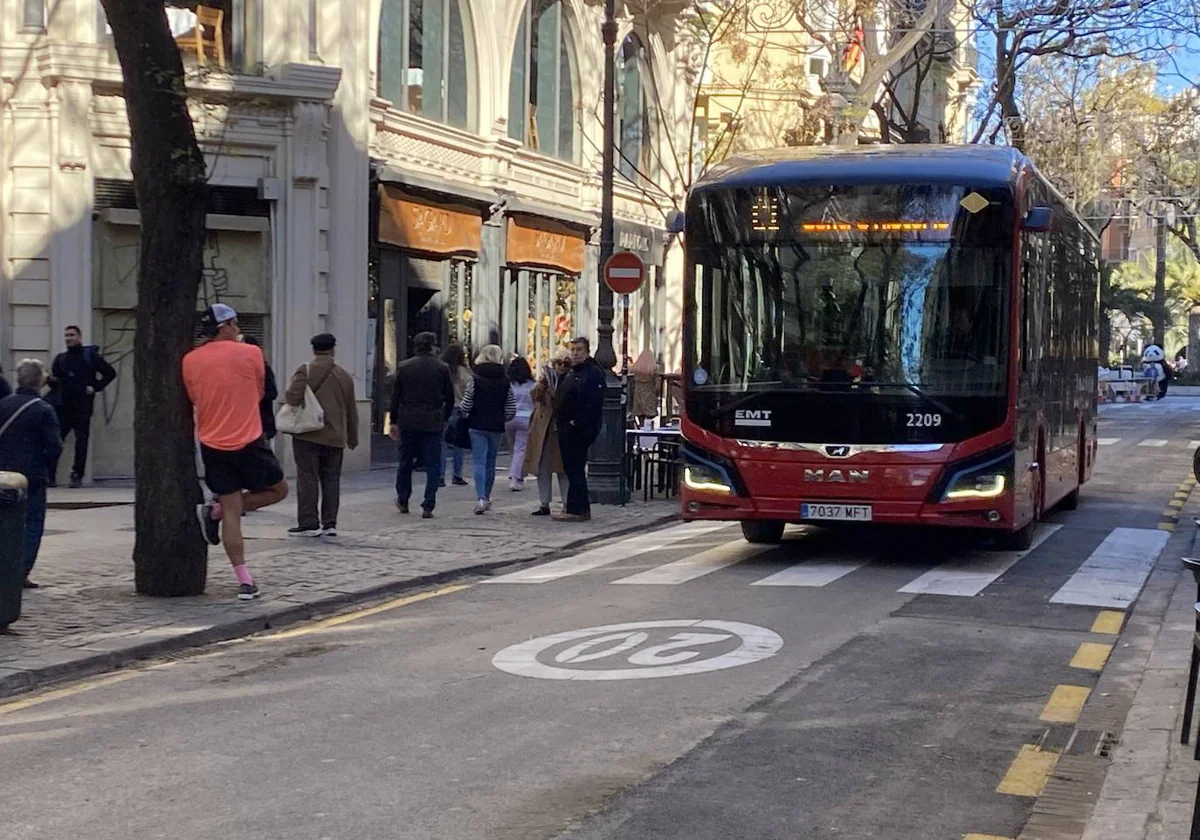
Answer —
(698, 565)
(603, 556)
(1193, 444)
(1108, 441)
(1154, 442)
(679, 646)
(812, 573)
(1114, 573)
(970, 574)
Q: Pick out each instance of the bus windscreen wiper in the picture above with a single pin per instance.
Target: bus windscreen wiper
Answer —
(908, 386)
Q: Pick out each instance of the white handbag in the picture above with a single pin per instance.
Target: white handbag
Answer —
(301, 419)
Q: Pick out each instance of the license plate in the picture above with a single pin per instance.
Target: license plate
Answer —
(838, 513)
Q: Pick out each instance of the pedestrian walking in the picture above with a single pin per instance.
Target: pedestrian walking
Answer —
(422, 399)
(487, 405)
(30, 443)
(225, 379)
(455, 358)
(319, 454)
(580, 402)
(543, 457)
(76, 376)
(520, 377)
(266, 408)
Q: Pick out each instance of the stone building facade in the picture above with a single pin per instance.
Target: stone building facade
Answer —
(376, 168)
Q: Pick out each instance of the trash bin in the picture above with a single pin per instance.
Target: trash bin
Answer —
(13, 489)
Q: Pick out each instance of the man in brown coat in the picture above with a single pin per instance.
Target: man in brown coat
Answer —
(319, 454)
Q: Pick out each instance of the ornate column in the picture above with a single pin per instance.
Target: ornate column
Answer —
(71, 188)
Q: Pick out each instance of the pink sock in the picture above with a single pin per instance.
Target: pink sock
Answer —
(243, 574)
(215, 511)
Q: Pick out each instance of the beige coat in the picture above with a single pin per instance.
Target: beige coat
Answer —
(335, 392)
(543, 432)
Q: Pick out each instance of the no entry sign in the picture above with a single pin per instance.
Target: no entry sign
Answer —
(624, 273)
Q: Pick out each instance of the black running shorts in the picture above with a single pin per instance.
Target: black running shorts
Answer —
(253, 468)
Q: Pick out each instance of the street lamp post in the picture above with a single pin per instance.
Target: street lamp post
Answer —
(606, 460)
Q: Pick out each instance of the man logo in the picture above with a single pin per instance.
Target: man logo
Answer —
(837, 451)
(838, 476)
(752, 417)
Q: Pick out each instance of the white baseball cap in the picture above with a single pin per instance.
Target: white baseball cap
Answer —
(222, 313)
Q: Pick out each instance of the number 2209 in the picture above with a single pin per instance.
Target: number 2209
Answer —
(924, 421)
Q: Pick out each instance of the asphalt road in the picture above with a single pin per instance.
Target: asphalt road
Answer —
(837, 686)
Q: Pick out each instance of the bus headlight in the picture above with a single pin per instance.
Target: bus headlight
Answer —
(986, 485)
(705, 480)
(986, 478)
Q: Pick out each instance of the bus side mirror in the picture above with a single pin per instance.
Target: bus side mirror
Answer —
(1037, 220)
(675, 221)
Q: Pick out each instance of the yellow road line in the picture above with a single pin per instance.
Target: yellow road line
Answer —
(60, 693)
(1108, 622)
(1065, 704)
(984, 837)
(1170, 513)
(1091, 656)
(1176, 504)
(337, 620)
(1029, 772)
(1166, 526)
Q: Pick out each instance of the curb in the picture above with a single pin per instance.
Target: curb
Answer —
(1068, 802)
(20, 682)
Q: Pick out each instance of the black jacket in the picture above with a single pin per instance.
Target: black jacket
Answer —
(74, 372)
(5, 388)
(266, 408)
(32, 444)
(580, 399)
(489, 402)
(422, 396)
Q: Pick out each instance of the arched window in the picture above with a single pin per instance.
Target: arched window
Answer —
(633, 113)
(424, 59)
(541, 98)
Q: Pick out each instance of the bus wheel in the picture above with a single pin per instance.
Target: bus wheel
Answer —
(760, 531)
(1070, 501)
(1017, 540)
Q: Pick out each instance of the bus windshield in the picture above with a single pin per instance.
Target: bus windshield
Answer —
(855, 289)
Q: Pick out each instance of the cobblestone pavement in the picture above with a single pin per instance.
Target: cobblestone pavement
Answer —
(86, 617)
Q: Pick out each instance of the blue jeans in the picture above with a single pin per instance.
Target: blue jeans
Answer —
(458, 455)
(425, 447)
(484, 448)
(35, 524)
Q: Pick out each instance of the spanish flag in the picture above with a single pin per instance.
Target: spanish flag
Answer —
(854, 50)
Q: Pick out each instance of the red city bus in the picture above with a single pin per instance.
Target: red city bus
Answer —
(889, 334)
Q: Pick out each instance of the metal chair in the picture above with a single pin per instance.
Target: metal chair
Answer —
(1193, 566)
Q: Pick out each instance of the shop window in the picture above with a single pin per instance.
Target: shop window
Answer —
(425, 59)
(541, 100)
(633, 130)
(540, 313)
(218, 35)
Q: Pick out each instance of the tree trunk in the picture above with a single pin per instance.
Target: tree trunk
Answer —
(1160, 282)
(1106, 272)
(169, 555)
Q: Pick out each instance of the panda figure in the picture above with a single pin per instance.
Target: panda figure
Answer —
(1154, 365)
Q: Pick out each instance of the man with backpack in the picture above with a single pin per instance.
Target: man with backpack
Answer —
(76, 376)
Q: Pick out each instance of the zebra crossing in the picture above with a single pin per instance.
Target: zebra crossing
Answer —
(1153, 443)
(1112, 576)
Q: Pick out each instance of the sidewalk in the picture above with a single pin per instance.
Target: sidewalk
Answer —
(1150, 786)
(86, 618)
